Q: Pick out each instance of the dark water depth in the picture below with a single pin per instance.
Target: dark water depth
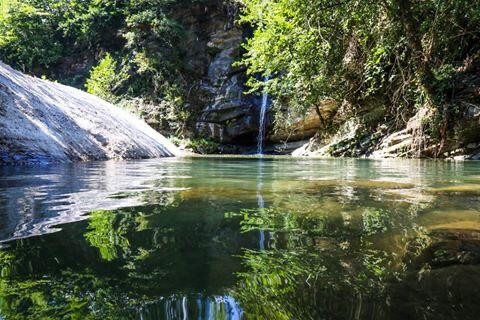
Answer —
(241, 238)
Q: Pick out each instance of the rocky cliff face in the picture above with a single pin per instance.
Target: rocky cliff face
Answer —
(448, 129)
(230, 116)
(41, 121)
(225, 113)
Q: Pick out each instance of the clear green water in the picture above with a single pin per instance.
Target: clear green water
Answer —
(241, 238)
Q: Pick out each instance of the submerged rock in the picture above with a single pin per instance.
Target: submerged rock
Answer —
(42, 121)
(444, 293)
(450, 247)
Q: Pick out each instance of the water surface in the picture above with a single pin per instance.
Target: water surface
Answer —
(241, 238)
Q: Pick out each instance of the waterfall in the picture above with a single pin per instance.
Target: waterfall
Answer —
(262, 120)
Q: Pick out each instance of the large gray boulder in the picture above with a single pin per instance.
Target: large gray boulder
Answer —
(42, 122)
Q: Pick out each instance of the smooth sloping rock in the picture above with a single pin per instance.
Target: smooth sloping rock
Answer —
(42, 121)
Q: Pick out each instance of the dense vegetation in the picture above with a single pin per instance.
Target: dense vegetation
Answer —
(381, 61)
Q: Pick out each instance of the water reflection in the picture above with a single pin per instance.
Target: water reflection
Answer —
(195, 307)
(128, 263)
(260, 201)
(33, 200)
(242, 238)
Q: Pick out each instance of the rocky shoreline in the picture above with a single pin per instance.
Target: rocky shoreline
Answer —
(354, 140)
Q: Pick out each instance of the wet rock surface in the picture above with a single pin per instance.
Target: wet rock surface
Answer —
(456, 294)
(425, 134)
(43, 122)
(448, 267)
(227, 113)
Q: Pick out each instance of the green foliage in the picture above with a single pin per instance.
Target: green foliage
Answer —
(105, 78)
(104, 234)
(401, 54)
(168, 115)
(36, 34)
(198, 145)
(154, 46)
(62, 39)
(27, 36)
(355, 51)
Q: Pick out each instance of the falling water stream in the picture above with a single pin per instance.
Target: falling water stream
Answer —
(261, 121)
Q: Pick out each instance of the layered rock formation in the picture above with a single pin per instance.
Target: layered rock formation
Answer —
(42, 122)
(354, 139)
(230, 116)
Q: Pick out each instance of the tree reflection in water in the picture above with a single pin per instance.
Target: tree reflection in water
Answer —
(333, 249)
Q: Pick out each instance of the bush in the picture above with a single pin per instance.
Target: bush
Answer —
(104, 79)
(202, 146)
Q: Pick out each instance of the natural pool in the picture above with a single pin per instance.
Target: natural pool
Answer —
(232, 238)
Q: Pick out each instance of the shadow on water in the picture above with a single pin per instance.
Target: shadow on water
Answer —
(223, 238)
